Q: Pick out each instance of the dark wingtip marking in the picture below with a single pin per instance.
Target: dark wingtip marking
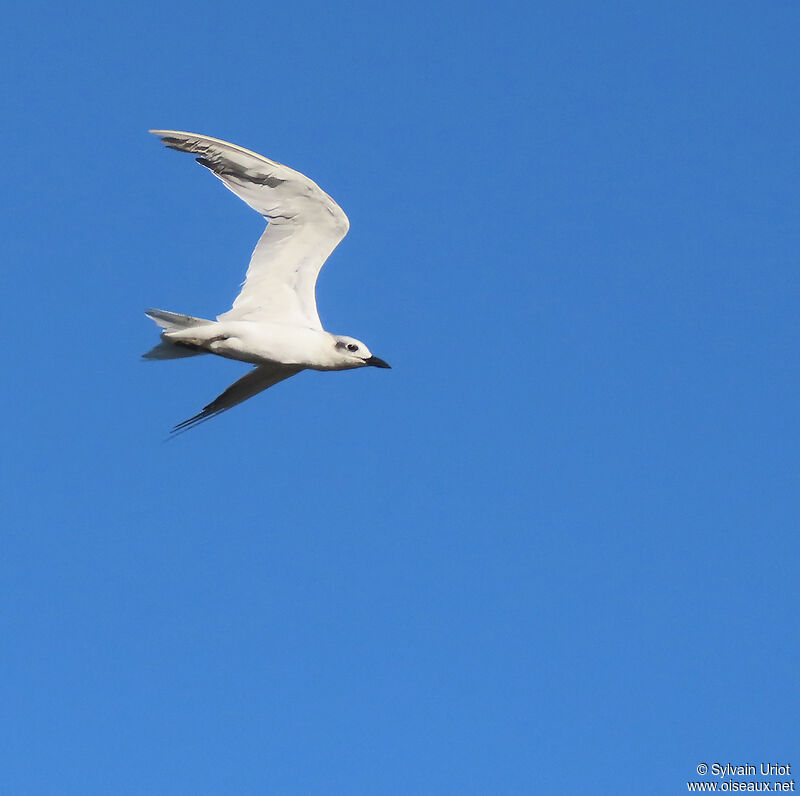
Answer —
(210, 410)
(218, 163)
(223, 169)
(264, 179)
(175, 143)
(193, 421)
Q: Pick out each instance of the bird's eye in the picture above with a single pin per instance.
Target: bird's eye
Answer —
(352, 347)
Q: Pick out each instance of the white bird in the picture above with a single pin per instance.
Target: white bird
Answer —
(273, 323)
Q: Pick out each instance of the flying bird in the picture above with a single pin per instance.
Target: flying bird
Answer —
(273, 323)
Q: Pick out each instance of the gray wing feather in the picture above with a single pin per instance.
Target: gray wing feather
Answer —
(305, 226)
(254, 382)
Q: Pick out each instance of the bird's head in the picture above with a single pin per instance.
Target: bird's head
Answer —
(352, 353)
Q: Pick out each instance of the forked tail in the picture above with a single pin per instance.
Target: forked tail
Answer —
(173, 321)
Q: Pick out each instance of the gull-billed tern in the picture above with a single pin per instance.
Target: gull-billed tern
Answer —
(273, 323)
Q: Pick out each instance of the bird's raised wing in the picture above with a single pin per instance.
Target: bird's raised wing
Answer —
(305, 226)
(250, 384)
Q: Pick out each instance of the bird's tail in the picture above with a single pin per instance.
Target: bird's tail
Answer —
(170, 322)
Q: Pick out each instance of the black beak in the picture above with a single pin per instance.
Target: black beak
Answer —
(377, 362)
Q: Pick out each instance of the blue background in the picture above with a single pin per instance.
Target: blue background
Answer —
(555, 548)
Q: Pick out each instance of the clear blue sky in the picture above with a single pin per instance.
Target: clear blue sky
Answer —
(553, 550)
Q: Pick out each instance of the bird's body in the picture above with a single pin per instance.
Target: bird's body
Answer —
(262, 342)
(273, 323)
